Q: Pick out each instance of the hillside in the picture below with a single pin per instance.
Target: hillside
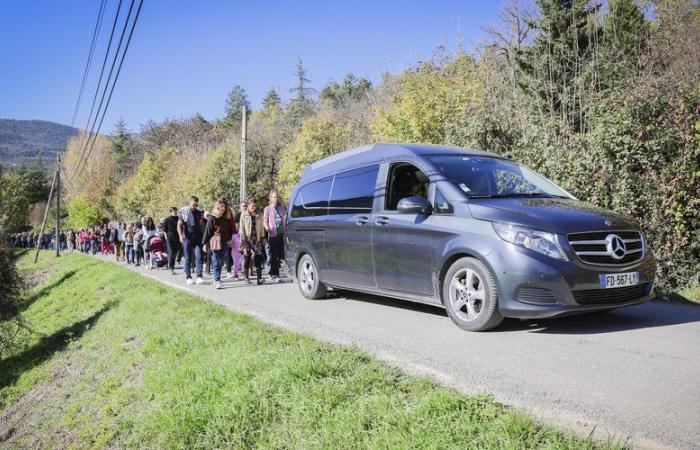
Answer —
(25, 140)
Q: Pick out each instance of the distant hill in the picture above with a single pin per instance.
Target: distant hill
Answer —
(27, 140)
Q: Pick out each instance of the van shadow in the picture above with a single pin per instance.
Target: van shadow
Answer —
(646, 315)
(341, 294)
(13, 367)
(650, 314)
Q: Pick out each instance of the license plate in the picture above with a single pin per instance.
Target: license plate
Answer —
(614, 280)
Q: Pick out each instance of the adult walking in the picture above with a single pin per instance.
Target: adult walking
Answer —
(236, 256)
(172, 238)
(129, 244)
(190, 230)
(149, 230)
(252, 241)
(217, 236)
(275, 222)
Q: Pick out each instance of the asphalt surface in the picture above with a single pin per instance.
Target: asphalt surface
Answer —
(632, 374)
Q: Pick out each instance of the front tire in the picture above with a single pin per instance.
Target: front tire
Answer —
(470, 296)
(309, 284)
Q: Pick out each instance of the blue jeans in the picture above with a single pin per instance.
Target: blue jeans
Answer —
(218, 258)
(190, 247)
(130, 253)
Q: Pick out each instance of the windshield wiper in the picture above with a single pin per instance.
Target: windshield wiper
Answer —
(516, 195)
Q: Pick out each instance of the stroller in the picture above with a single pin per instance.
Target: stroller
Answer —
(155, 245)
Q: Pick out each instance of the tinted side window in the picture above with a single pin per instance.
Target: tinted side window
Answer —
(442, 206)
(312, 199)
(353, 191)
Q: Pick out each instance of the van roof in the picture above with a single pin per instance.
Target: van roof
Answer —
(380, 152)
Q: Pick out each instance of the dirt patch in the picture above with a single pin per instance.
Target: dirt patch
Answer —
(37, 277)
(20, 421)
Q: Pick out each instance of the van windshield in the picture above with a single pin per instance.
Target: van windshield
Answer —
(485, 177)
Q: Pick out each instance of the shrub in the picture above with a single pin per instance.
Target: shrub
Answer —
(9, 295)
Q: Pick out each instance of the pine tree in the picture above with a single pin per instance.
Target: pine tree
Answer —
(556, 69)
(301, 106)
(121, 139)
(302, 91)
(626, 32)
(272, 99)
(234, 102)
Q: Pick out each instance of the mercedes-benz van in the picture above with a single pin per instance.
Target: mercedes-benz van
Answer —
(475, 233)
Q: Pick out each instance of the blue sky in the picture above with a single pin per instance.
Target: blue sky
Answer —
(186, 55)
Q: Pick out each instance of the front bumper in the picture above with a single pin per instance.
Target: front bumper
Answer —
(531, 285)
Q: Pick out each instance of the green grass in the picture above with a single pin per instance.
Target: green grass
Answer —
(691, 294)
(119, 360)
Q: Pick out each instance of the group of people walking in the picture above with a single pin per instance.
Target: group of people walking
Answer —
(240, 242)
(235, 241)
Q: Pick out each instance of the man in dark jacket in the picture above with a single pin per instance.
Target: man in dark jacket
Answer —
(190, 227)
(172, 238)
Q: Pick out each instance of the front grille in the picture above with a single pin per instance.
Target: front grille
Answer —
(611, 296)
(592, 247)
(535, 295)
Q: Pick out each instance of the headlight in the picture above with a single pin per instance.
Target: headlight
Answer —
(539, 241)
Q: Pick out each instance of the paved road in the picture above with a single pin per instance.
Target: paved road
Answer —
(634, 372)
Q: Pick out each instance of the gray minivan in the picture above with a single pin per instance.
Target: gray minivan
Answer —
(478, 234)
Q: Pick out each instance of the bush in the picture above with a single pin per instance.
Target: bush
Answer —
(81, 213)
(9, 295)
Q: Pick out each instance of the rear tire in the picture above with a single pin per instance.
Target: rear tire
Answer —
(470, 296)
(307, 279)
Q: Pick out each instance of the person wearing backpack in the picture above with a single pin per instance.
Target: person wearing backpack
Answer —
(191, 230)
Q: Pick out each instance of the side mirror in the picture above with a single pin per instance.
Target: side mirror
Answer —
(415, 205)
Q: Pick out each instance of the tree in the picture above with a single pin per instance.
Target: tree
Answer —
(318, 139)
(121, 139)
(14, 202)
(435, 104)
(626, 33)
(625, 27)
(272, 99)
(301, 106)
(352, 89)
(9, 295)
(302, 89)
(82, 213)
(235, 101)
(556, 71)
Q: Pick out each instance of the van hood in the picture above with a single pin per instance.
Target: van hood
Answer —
(556, 215)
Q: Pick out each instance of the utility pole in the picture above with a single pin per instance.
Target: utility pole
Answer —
(244, 152)
(46, 214)
(58, 204)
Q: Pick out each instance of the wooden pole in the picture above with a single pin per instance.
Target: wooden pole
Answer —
(244, 152)
(58, 205)
(46, 214)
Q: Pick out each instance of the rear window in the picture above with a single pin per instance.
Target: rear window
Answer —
(353, 191)
(312, 199)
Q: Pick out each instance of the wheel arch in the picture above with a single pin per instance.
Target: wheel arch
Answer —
(455, 255)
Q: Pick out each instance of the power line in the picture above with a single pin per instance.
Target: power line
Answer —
(95, 34)
(99, 83)
(116, 77)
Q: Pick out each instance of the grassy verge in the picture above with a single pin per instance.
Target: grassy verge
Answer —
(118, 360)
(687, 296)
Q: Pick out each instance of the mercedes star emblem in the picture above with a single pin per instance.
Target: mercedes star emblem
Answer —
(615, 246)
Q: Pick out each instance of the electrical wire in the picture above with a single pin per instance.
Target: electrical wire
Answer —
(86, 72)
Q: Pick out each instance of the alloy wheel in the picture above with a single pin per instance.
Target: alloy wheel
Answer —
(467, 294)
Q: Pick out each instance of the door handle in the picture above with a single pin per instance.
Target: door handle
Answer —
(382, 220)
(362, 220)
